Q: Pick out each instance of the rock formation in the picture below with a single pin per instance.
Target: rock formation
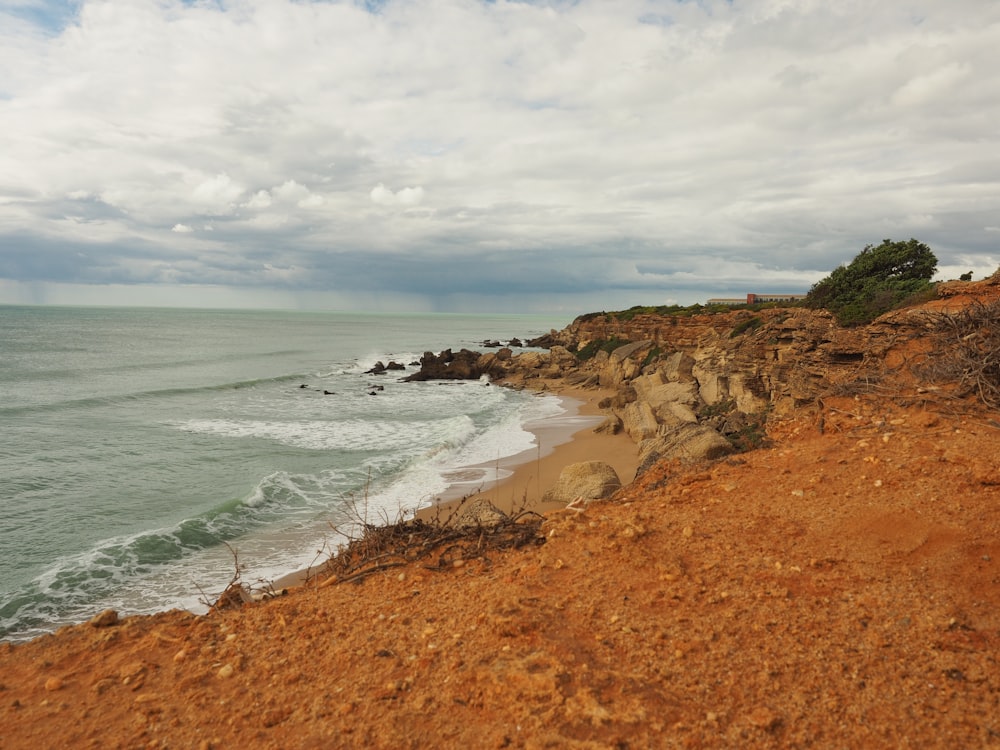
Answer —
(703, 385)
(589, 480)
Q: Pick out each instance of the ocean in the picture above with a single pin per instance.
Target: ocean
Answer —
(140, 446)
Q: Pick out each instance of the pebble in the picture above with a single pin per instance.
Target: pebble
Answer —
(687, 532)
(226, 671)
(53, 683)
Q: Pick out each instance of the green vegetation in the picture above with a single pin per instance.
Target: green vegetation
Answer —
(750, 324)
(679, 311)
(600, 345)
(718, 409)
(746, 432)
(879, 279)
(652, 355)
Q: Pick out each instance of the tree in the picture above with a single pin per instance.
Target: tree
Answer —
(877, 280)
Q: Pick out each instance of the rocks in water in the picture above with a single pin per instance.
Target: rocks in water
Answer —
(589, 480)
(381, 369)
(449, 365)
(544, 341)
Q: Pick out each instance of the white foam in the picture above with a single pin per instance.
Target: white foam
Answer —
(347, 435)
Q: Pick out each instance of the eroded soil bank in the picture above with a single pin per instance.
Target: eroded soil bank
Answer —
(839, 587)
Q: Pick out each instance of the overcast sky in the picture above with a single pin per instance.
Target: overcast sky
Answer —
(487, 156)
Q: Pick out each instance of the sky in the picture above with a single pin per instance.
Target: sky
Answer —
(473, 156)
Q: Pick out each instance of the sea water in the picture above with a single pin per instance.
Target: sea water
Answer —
(141, 448)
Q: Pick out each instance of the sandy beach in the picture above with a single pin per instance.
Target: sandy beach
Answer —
(560, 442)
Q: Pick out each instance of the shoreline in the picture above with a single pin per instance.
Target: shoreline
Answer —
(561, 441)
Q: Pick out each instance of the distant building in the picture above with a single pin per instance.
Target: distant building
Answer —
(727, 301)
(756, 299)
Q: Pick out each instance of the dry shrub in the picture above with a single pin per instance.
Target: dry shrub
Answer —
(968, 354)
(439, 544)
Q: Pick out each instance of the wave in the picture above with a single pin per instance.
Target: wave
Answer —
(120, 568)
(377, 470)
(340, 435)
(156, 393)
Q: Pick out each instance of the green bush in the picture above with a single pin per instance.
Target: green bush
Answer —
(599, 345)
(750, 324)
(879, 279)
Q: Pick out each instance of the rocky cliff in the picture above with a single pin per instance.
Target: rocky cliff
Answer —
(729, 372)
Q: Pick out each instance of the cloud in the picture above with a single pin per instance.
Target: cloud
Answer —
(216, 195)
(408, 196)
(585, 151)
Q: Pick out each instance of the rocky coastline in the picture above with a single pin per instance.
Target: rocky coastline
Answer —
(806, 555)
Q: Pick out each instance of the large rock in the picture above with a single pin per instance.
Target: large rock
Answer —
(448, 365)
(480, 512)
(624, 363)
(673, 414)
(656, 393)
(590, 480)
(677, 367)
(688, 442)
(639, 421)
(563, 358)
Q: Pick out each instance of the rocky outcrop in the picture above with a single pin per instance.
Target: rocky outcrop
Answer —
(461, 365)
(590, 480)
(682, 385)
(687, 442)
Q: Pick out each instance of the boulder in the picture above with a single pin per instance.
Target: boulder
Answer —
(689, 442)
(712, 387)
(611, 425)
(623, 364)
(529, 360)
(677, 367)
(673, 414)
(639, 421)
(479, 512)
(563, 357)
(655, 392)
(590, 480)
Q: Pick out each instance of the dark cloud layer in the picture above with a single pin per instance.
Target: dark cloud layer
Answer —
(520, 155)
